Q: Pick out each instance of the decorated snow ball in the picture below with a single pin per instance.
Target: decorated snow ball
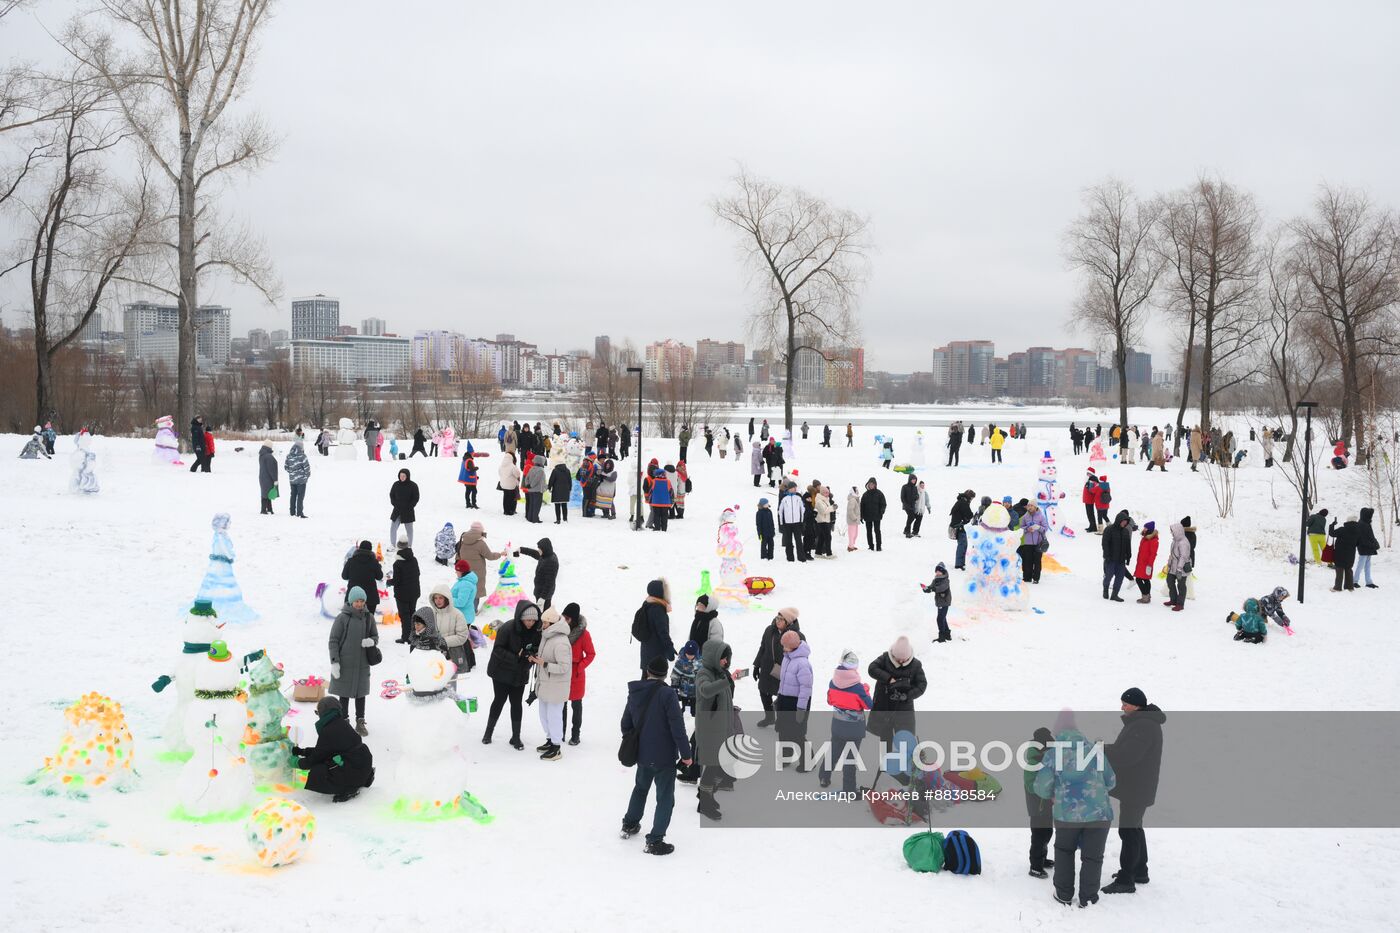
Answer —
(279, 831)
(95, 753)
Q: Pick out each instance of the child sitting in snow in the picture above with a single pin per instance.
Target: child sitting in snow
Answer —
(1271, 608)
(683, 675)
(1249, 625)
(445, 546)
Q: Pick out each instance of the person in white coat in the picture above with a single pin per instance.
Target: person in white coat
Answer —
(555, 661)
(451, 625)
(509, 483)
(852, 518)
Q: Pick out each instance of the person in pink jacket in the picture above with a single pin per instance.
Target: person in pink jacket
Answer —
(850, 701)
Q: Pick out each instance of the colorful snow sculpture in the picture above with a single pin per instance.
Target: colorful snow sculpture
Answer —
(731, 592)
(216, 783)
(167, 444)
(269, 750)
(95, 753)
(995, 578)
(220, 586)
(279, 831)
(1048, 496)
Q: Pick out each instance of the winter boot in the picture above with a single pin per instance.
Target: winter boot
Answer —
(1092, 900)
(767, 720)
(516, 744)
(344, 796)
(553, 753)
(1105, 592)
(1067, 901)
(547, 744)
(659, 847)
(1039, 873)
(1240, 635)
(1120, 886)
(360, 727)
(573, 739)
(1144, 599)
(708, 807)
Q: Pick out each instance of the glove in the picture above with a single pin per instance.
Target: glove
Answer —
(366, 642)
(335, 670)
(755, 673)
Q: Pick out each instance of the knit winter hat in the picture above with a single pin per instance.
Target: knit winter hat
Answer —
(572, 611)
(478, 526)
(849, 659)
(327, 704)
(1134, 697)
(657, 666)
(788, 614)
(941, 568)
(1149, 526)
(902, 651)
(462, 566)
(403, 544)
(354, 593)
(703, 600)
(366, 546)
(790, 640)
(551, 615)
(762, 503)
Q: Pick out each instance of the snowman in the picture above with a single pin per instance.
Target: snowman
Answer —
(431, 776)
(216, 783)
(345, 440)
(202, 627)
(167, 444)
(1048, 496)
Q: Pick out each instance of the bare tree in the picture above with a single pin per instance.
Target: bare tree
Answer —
(319, 393)
(1292, 356)
(679, 401)
(84, 228)
(1347, 252)
(1109, 244)
(611, 389)
(472, 401)
(808, 260)
(186, 64)
(274, 390)
(1208, 239)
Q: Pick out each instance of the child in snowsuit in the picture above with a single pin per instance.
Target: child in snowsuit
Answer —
(683, 675)
(445, 546)
(1249, 625)
(942, 591)
(763, 521)
(1271, 608)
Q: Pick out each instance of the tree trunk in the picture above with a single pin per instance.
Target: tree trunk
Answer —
(43, 376)
(1292, 436)
(187, 375)
(791, 366)
(1353, 396)
(1207, 371)
(1185, 385)
(1120, 363)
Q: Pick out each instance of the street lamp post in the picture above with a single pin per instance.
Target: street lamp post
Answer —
(1307, 479)
(637, 519)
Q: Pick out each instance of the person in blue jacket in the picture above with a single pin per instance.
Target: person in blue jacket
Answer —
(659, 498)
(653, 710)
(763, 524)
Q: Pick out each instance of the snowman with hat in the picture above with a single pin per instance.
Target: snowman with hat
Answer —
(217, 781)
(201, 628)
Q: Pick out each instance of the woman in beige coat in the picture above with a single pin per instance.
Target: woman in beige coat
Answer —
(473, 549)
(451, 624)
(556, 662)
(508, 483)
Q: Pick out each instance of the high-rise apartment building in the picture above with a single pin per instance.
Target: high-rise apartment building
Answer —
(315, 318)
(151, 332)
(372, 327)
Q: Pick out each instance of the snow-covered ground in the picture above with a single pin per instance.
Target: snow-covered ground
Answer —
(98, 588)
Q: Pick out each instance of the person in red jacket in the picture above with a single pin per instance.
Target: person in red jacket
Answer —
(582, 644)
(1091, 498)
(1146, 558)
(1103, 498)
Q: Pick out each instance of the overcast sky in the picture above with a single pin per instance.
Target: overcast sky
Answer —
(545, 168)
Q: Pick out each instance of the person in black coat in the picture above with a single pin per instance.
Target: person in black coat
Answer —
(362, 570)
(420, 443)
(267, 477)
(1366, 547)
(872, 512)
(899, 681)
(561, 486)
(199, 444)
(624, 441)
(403, 496)
(1117, 552)
(1136, 758)
(546, 570)
(913, 510)
(769, 659)
(763, 524)
(512, 658)
(654, 710)
(1344, 542)
(340, 763)
(653, 616)
(959, 516)
(406, 582)
(700, 625)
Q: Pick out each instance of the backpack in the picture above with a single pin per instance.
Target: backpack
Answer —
(961, 855)
(641, 624)
(923, 851)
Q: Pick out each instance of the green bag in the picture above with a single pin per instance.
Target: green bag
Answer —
(924, 851)
(273, 493)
